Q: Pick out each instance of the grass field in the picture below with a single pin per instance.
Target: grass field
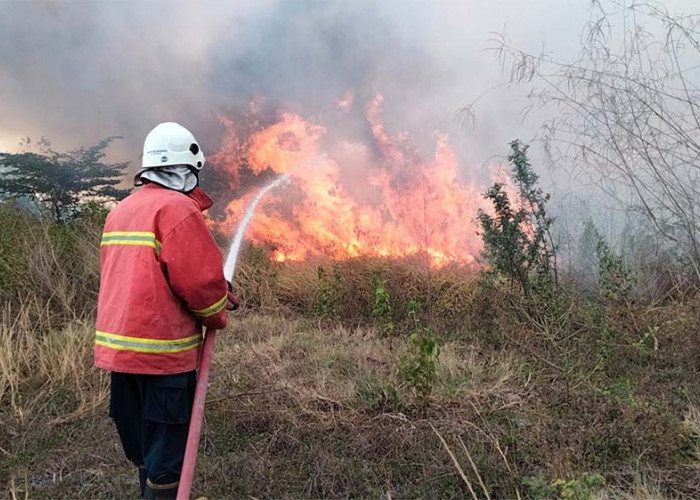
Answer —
(366, 379)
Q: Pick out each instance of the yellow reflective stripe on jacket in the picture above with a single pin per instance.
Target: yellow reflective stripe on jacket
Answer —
(131, 238)
(213, 309)
(154, 346)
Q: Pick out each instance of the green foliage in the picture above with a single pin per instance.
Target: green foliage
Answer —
(327, 304)
(615, 281)
(537, 487)
(620, 392)
(517, 237)
(381, 308)
(59, 183)
(419, 367)
(649, 340)
(579, 489)
(584, 488)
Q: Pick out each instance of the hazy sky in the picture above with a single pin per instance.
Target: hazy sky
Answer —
(77, 71)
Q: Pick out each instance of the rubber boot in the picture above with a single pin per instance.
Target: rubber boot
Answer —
(160, 491)
(142, 479)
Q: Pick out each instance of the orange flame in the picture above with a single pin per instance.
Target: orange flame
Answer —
(351, 204)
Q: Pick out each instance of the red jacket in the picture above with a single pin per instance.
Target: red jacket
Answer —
(162, 279)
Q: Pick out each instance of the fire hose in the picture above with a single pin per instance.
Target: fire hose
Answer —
(200, 393)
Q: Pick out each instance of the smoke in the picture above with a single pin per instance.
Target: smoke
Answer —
(79, 71)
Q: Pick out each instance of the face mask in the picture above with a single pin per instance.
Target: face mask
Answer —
(176, 177)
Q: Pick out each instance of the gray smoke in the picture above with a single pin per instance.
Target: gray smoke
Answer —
(81, 70)
(78, 71)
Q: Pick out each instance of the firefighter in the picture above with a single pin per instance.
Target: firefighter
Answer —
(162, 281)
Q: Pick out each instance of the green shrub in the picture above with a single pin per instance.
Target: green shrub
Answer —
(327, 303)
(517, 239)
(620, 392)
(584, 488)
(615, 281)
(18, 231)
(537, 487)
(381, 308)
(419, 367)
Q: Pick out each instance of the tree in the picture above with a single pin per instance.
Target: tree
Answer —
(586, 257)
(61, 183)
(627, 112)
(517, 238)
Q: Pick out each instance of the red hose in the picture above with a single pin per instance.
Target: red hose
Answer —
(200, 396)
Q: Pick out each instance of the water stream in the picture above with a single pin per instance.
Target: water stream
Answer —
(232, 257)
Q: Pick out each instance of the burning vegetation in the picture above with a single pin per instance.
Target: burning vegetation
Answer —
(379, 198)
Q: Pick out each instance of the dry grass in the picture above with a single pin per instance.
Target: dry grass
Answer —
(315, 362)
(47, 385)
(308, 401)
(57, 266)
(296, 409)
(38, 364)
(342, 385)
(442, 295)
(641, 489)
(691, 423)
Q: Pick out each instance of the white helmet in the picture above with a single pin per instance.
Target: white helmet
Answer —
(171, 144)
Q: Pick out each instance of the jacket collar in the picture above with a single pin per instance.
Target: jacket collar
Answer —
(202, 199)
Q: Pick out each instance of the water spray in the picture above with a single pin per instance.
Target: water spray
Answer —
(200, 394)
(230, 265)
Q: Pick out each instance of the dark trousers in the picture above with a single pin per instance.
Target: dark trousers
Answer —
(152, 415)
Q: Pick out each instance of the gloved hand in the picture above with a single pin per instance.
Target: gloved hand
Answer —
(232, 301)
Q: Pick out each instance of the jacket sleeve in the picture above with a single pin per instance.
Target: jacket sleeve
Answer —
(194, 269)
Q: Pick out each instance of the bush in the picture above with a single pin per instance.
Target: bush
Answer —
(584, 488)
(329, 295)
(419, 367)
(615, 280)
(381, 309)
(517, 239)
(18, 230)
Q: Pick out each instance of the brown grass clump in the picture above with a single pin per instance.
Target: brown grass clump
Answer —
(37, 367)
